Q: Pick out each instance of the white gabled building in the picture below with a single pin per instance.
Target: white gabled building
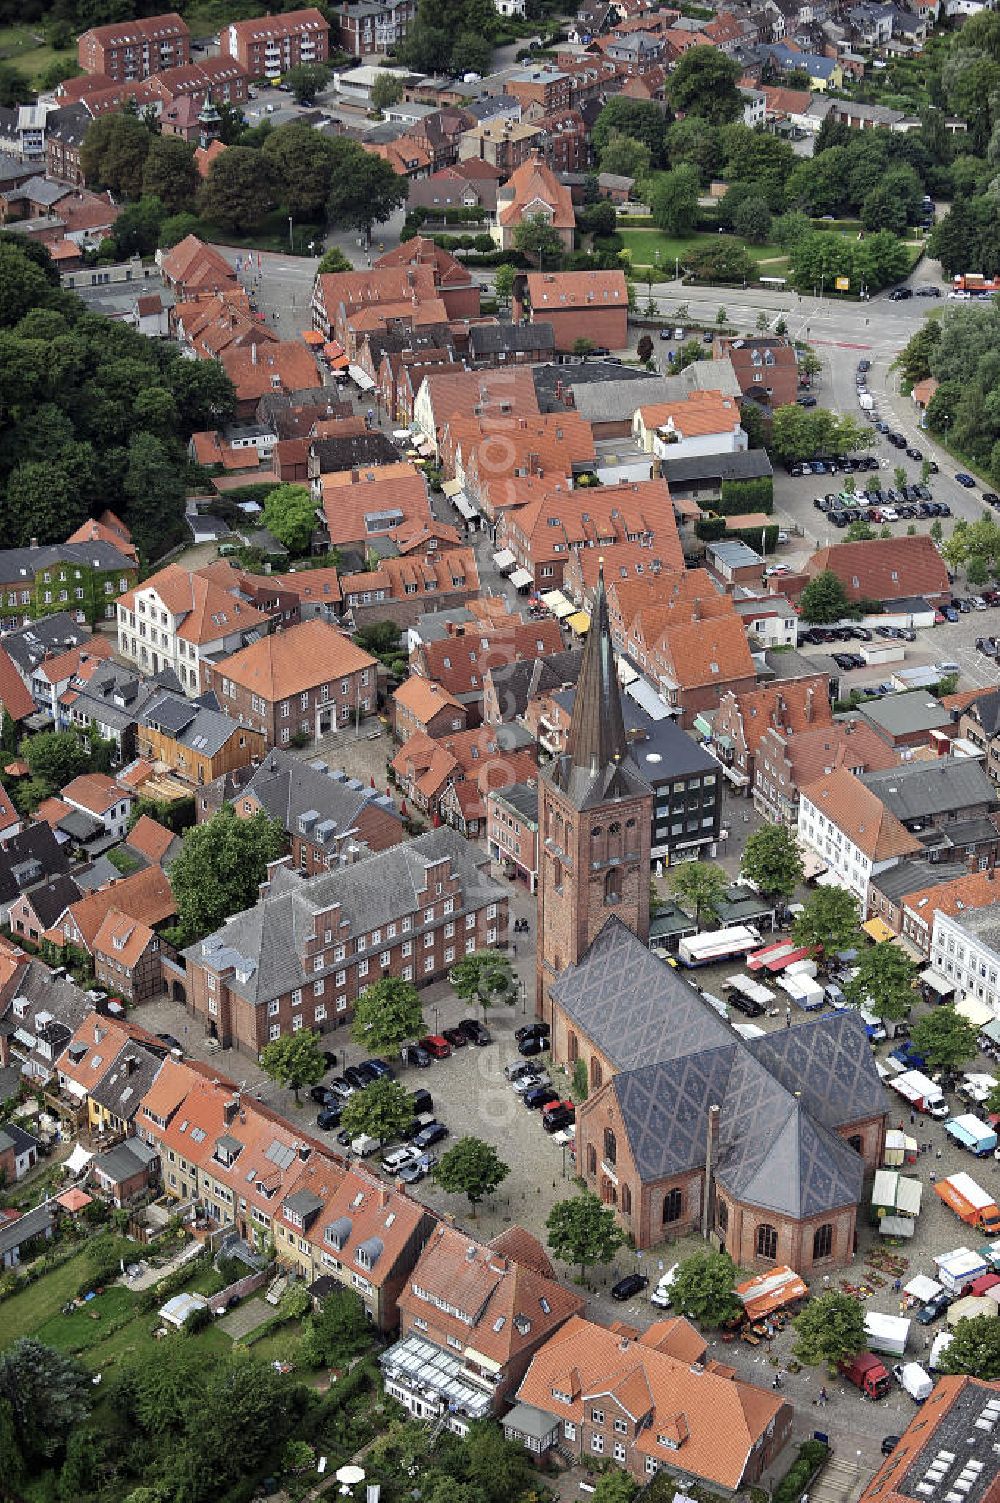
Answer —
(853, 831)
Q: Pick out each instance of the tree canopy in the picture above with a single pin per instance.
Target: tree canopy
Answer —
(946, 1040)
(704, 1287)
(674, 200)
(824, 598)
(220, 868)
(484, 977)
(701, 885)
(772, 860)
(383, 1110)
(290, 513)
(582, 1231)
(828, 922)
(471, 1167)
(704, 84)
(387, 1014)
(974, 1349)
(829, 1329)
(883, 982)
(295, 1060)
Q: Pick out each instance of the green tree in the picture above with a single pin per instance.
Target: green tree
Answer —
(43, 502)
(700, 885)
(828, 922)
(471, 54)
(11, 1457)
(386, 90)
(692, 140)
(583, 1232)
(337, 1331)
(824, 598)
(114, 151)
(945, 1039)
(55, 757)
(364, 192)
(48, 1395)
(639, 119)
(615, 1487)
(290, 513)
(860, 532)
(387, 1014)
(220, 867)
(772, 861)
(674, 199)
(830, 1329)
(303, 163)
(306, 81)
(155, 489)
(483, 977)
(79, 1474)
(583, 347)
(383, 1111)
(883, 982)
(752, 221)
(626, 156)
(138, 229)
(974, 1349)
(240, 190)
(295, 1060)
(171, 173)
(471, 1167)
(704, 83)
(978, 571)
(333, 260)
(504, 284)
(536, 237)
(704, 1287)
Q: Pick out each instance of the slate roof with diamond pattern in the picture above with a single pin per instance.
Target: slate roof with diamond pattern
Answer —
(782, 1096)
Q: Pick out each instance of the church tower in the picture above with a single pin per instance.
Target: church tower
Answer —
(594, 816)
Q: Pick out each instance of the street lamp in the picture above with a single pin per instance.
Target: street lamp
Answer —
(435, 1018)
(291, 242)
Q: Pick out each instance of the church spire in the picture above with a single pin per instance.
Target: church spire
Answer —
(596, 738)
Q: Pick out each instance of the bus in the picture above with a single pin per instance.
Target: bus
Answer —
(722, 944)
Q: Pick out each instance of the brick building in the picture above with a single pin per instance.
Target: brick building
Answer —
(534, 192)
(268, 46)
(128, 958)
(129, 50)
(331, 820)
(373, 27)
(421, 705)
(410, 911)
(742, 720)
(401, 589)
(512, 830)
(766, 368)
(950, 1440)
(303, 681)
(786, 763)
(886, 570)
(579, 305)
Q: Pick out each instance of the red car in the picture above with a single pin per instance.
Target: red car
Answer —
(436, 1046)
(558, 1114)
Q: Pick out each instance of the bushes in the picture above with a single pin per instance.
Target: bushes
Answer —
(812, 1454)
(746, 495)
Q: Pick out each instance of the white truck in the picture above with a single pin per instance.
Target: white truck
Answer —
(922, 1094)
(913, 1380)
(886, 1333)
(804, 991)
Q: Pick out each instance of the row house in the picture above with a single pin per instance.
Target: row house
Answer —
(462, 661)
(65, 130)
(545, 533)
(372, 27)
(852, 831)
(952, 898)
(451, 777)
(128, 50)
(410, 911)
(338, 295)
(143, 897)
(108, 1066)
(419, 705)
(400, 374)
(472, 1316)
(267, 46)
(742, 720)
(488, 394)
(361, 505)
(439, 134)
(512, 830)
(454, 283)
(579, 305)
(693, 653)
(401, 589)
(965, 954)
(980, 724)
(303, 682)
(784, 764)
(331, 820)
(183, 621)
(489, 456)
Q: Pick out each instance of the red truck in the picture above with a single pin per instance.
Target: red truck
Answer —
(866, 1372)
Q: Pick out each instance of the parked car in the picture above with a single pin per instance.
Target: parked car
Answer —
(631, 1284)
(358, 1077)
(966, 480)
(889, 1444)
(436, 1046)
(329, 1059)
(417, 1169)
(415, 1054)
(421, 1101)
(171, 1042)
(534, 1044)
(395, 1160)
(539, 1095)
(557, 1108)
(525, 1083)
(530, 1030)
(806, 401)
(433, 1133)
(328, 1118)
(342, 1088)
(934, 1308)
(914, 453)
(475, 1032)
(517, 1069)
(321, 1094)
(455, 1037)
(381, 1070)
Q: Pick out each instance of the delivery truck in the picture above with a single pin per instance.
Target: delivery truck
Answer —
(922, 1094)
(969, 1132)
(804, 991)
(958, 1269)
(913, 1380)
(867, 1372)
(720, 944)
(974, 1205)
(887, 1333)
(748, 996)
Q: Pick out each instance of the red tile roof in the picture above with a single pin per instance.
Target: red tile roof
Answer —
(885, 569)
(861, 816)
(294, 660)
(558, 291)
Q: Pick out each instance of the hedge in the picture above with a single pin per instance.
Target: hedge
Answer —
(711, 529)
(746, 495)
(812, 1454)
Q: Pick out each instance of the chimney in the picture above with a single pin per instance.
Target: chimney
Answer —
(230, 1110)
(303, 1152)
(711, 1158)
(849, 724)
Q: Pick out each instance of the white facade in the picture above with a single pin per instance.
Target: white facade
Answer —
(151, 637)
(754, 107)
(667, 445)
(846, 861)
(510, 7)
(967, 959)
(114, 818)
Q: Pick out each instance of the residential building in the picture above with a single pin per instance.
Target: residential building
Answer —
(401, 589)
(454, 283)
(451, 777)
(422, 705)
(705, 422)
(191, 269)
(852, 830)
(64, 132)
(906, 721)
(512, 344)
(886, 571)
(362, 505)
(979, 723)
(337, 296)
(287, 365)
(512, 830)
(303, 682)
(742, 721)
(184, 622)
(128, 958)
(460, 661)
(34, 912)
(39, 1013)
(467, 184)
(539, 91)
(534, 192)
(100, 796)
(766, 368)
(126, 1171)
(410, 911)
(579, 305)
(128, 50)
(28, 856)
(108, 697)
(784, 764)
(951, 898)
(107, 1067)
(471, 1318)
(81, 579)
(195, 741)
(952, 1433)
(693, 652)
(948, 803)
(649, 1402)
(331, 820)
(268, 46)
(373, 26)
(143, 896)
(504, 144)
(490, 457)
(18, 1153)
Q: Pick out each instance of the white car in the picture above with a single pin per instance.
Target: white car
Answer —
(395, 1160)
(979, 603)
(890, 514)
(661, 1294)
(526, 1083)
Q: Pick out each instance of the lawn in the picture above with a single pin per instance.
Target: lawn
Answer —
(25, 1313)
(642, 244)
(29, 52)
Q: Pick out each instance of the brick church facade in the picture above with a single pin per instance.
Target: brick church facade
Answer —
(762, 1146)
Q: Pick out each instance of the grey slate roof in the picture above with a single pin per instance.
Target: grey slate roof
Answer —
(983, 923)
(523, 797)
(42, 1017)
(128, 1080)
(125, 1160)
(15, 1137)
(921, 790)
(745, 464)
(912, 876)
(516, 683)
(194, 726)
(904, 714)
(36, 1223)
(49, 899)
(986, 710)
(265, 945)
(491, 339)
(28, 858)
(290, 789)
(357, 449)
(29, 644)
(781, 1096)
(24, 563)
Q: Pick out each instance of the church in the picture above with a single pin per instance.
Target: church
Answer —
(760, 1145)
